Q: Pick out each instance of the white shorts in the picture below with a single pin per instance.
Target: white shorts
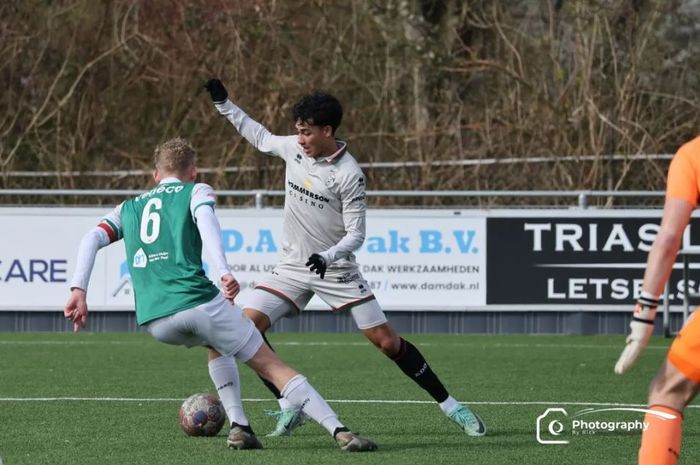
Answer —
(289, 288)
(217, 324)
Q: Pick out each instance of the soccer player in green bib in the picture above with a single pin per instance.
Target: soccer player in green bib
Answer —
(164, 230)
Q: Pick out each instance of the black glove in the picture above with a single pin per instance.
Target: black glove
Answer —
(217, 90)
(318, 264)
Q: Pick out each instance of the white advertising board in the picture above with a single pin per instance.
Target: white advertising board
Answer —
(412, 259)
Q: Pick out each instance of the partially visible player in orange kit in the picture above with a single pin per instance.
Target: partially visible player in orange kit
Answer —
(678, 379)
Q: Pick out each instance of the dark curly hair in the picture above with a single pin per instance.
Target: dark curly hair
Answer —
(318, 109)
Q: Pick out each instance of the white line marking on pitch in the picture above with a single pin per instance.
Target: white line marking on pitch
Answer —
(66, 343)
(336, 401)
(483, 345)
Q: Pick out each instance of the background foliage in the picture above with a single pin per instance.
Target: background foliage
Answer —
(95, 85)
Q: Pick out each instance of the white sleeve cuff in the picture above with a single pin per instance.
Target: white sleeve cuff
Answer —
(353, 239)
(225, 107)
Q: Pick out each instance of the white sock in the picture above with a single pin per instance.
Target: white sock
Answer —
(284, 403)
(301, 394)
(448, 405)
(224, 373)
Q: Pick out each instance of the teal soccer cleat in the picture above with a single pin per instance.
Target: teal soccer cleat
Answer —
(468, 421)
(288, 420)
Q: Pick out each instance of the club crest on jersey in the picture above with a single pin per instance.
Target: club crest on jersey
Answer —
(330, 180)
(140, 259)
(308, 184)
(298, 158)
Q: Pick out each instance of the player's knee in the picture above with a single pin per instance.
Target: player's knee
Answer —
(212, 354)
(384, 338)
(388, 343)
(261, 321)
(390, 347)
(673, 392)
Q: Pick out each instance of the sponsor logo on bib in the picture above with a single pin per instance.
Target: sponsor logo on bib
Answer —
(140, 259)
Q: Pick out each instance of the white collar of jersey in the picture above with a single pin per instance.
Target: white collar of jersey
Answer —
(342, 148)
(169, 180)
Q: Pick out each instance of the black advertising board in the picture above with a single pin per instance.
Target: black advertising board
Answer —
(574, 260)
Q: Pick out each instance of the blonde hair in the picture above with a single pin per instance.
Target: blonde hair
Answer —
(174, 156)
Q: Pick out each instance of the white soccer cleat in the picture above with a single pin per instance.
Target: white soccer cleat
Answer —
(353, 442)
(240, 439)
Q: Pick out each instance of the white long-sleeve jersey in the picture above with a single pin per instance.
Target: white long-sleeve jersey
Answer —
(325, 203)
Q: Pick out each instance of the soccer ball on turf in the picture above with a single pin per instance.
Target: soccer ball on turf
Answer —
(202, 415)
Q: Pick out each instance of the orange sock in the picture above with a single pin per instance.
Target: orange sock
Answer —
(661, 442)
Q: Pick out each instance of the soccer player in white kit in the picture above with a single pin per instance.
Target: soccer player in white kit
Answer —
(164, 230)
(324, 223)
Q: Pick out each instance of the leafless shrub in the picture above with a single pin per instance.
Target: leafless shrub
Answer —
(96, 85)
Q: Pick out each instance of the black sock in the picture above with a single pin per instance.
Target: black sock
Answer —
(339, 430)
(271, 387)
(413, 364)
(245, 428)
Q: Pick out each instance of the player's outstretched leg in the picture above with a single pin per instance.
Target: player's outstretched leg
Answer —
(413, 364)
(224, 373)
(297, 390)
(300, 392)
(288, 416)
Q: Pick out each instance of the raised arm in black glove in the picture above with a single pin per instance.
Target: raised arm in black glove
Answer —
(217, 90)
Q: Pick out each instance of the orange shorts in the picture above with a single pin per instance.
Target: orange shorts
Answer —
(685, 350)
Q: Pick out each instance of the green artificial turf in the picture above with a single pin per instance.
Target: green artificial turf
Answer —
(114, 399)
